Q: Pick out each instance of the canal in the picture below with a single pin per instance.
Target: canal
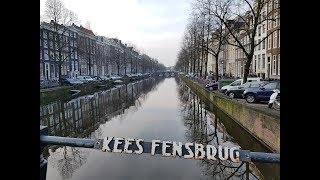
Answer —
(164, 109)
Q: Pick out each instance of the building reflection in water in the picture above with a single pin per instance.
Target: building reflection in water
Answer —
(82, 116)
(205, 127)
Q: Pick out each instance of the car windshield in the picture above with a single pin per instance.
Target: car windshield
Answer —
(271, 85)
(256, 84)
(245, 85)
(235, 83)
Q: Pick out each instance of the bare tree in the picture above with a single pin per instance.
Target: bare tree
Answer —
(215, 29)
(60, 18)
(241, 19)
(117, 60)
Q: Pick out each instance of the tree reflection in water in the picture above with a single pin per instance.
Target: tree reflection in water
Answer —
(205, 127)
(82, 116)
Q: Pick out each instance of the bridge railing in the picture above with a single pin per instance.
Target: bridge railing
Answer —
(244, 155)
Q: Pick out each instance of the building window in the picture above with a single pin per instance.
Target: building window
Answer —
(275, 39)
(279, 38)
(41, 70)
(76, 66)
(40, 54)
(50, 35)
(278, 64)
(72, 66)
(45, 43)
(255, 64)
(259, 58)
(263, 28)
(52, 56)
(259, 46)
(46, 56)
(75, 54)
(274, 65)
(263, 61)
(275, 19)
(51, 44)
(264, 44)
(45, 35)
(259, 30)
(269, 24)
(270, 41)
(40, 42)
(270, 6)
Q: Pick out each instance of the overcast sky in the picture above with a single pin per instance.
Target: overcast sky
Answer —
(154, 26)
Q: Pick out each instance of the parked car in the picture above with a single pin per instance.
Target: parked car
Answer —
(212, 85)
(115, 77)
(71, 82)
(105, 78)
(237, 83)
(262, 93)
(85, 79)
(236, 92)
(96, 78)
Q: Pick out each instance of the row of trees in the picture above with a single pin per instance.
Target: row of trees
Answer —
(215, 23)
(91, 50)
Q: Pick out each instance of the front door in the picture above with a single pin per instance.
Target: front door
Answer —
(47, 70)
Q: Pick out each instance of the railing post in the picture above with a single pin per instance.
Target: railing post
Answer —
(247, 170)
(43, 162)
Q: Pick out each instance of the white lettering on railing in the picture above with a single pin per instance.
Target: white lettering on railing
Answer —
(200, 151)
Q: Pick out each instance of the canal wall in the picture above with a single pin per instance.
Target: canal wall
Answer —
(64, 92)
(264, 126)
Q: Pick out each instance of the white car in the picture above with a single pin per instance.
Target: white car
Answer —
(237, 83)
(85, 79)
(115, 77)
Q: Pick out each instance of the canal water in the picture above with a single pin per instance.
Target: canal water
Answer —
(164, 109)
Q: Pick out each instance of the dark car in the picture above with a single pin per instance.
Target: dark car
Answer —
(212, 85)
(96, 78)
(236, 92)
(262, 93)
(70, 82)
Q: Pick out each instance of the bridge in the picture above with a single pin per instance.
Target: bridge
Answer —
(165, 74)
(188, 151)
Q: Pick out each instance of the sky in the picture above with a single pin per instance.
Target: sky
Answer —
(156, 27)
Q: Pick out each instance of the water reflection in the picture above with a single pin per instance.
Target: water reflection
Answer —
(205, 127)
(149, 110)
(83, 115)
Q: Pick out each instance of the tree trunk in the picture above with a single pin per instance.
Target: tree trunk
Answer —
(60, 74)
(246, 69)
(217, 73)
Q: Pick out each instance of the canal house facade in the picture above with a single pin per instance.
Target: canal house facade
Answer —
(84, 53)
